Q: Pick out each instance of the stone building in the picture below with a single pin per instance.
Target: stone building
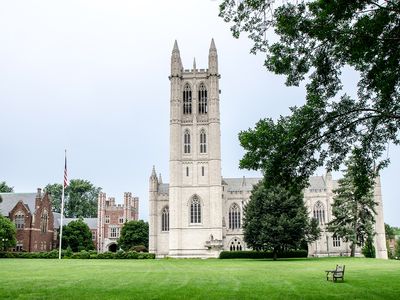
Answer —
(33, 218)
(199, 213)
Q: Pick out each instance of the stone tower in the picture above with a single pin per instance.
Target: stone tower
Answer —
(195, 204)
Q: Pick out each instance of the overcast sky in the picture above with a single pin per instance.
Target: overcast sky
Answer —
(92, 77)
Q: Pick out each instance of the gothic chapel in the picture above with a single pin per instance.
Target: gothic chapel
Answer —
(199, 213)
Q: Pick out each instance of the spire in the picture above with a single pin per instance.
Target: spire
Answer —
(212, 46)
(159, 178)
(176, 63)
(194, 63)
(244, 181)
(213, 59)
(153, 173)
(176, 48)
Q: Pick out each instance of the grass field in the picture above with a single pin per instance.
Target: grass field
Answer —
(197, 279)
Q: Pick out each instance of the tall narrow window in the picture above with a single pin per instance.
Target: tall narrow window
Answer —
(165, 219)
(234, 216)
(195, 211)
(203, 142)
(186, 142)
(43, 221)
(203, 109)
(187, 171)
(319, 212)
(187, 100)
(202, 171)
(19, 220)
(336, 241)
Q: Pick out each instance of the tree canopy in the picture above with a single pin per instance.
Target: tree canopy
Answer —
(8, 233)
(354, 206)
(80, 198)
(4, 188)
(134, 233)
(276, 219)
(77, 236)
(313, 41)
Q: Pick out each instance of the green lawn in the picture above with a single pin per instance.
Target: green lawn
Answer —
(197, 279)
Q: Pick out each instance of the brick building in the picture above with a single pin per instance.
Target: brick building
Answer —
(33, 218)
(111, 217)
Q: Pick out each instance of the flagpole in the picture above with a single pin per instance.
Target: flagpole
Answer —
(62, 204)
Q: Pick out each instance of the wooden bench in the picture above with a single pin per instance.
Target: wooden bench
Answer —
(336, 274)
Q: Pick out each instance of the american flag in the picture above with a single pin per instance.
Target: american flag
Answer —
(65, 172)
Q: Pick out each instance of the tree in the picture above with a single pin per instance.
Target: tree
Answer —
(80, 198)
(134, 233)
(390, 232)
(4, 188)
(353, 208)
(317, 39)
(55, 190)
(276, 219)
(8, 233)
(77, 236)
(397, 249)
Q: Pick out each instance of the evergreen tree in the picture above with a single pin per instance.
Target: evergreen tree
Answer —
(276, 219)
(353, 208)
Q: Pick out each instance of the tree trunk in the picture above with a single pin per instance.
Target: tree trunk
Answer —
(275, 254)
(353, 249)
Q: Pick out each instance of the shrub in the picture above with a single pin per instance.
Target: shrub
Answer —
(261, 254)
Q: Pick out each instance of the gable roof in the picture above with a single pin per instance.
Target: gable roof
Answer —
(11, 199)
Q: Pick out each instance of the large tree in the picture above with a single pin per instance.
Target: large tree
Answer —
(134, 233)
(4, 188)
(313, 41)
(77, 236)
(276, 219)
(8, 233)
(353, 208)
(80, 198)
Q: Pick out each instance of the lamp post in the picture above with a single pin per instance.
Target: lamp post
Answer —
(4, 243)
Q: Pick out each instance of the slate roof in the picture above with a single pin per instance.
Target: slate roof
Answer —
(240, 184)
(11, 199)
(91, 222)
(163, 188)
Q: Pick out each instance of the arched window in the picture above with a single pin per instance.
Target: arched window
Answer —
(195, 210)
(186, 142)
(234, 216)
(319, 212)
(202, 99)
(187, 100)
(165, 219)
(235, 245)
(203, 141)
(19, 220)
(43, 221)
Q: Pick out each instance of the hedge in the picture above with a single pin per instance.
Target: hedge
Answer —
(261, 254)
(79, 255)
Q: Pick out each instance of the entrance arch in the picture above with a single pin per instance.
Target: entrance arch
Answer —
(113, 247)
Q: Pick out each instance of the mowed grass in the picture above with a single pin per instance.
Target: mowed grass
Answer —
(197, 279)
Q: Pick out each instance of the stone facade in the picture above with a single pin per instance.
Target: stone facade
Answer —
(33, 218)
(199, 214)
